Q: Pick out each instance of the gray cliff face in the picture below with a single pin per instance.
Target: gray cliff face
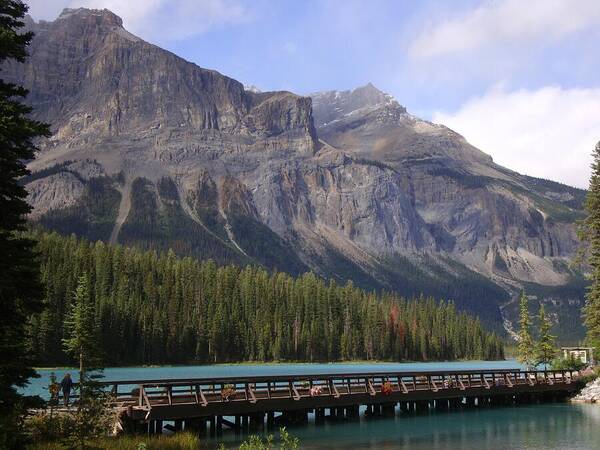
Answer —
(479, 213)
(152, 150)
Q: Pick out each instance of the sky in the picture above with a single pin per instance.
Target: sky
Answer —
(519, 79)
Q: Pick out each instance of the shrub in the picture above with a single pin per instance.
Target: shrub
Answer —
(48, 428)
(285, 442)
(569, 363)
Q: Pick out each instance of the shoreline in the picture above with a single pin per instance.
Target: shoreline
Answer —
(274, 363)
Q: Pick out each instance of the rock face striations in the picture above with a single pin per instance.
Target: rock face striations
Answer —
(151, 150)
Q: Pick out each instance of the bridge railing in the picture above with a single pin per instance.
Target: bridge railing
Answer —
(203, 391)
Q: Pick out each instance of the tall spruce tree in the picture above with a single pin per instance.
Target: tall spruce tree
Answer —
(82, 336)
(525, 348)
(544, 349)
(20, 290)
(93, 415)
(590, 236)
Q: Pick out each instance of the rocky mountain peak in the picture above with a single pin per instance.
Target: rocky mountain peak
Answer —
(96, 67)
(334, 105)
(369, 95)
(97, 16)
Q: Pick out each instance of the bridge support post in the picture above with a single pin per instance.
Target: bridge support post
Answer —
(422, 407)
(319, 416)
(352, 412)
(237, 426)
(202, 427)
(304, 416)
(500, 400)
(455, 403)
(158, 426)
(192, 425)
(257, 421)
(212, 424)
(178, 425)
(389, 409)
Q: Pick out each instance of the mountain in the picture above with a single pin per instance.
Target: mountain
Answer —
(153, 151)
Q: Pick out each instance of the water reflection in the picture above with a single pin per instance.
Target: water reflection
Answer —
(548, 426)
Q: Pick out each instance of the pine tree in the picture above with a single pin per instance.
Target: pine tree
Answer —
(590, 236)
(525, 348)
(20, 290)
(81, 341)
(93, 415)
(544, 349)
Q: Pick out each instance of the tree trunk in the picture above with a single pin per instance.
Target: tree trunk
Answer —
(81, 375)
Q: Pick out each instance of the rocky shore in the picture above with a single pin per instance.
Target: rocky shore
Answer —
(590, 393)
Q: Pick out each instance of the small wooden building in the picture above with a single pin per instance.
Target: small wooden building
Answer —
(584, 354)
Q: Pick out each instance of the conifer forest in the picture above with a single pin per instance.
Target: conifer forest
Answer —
(153, 308)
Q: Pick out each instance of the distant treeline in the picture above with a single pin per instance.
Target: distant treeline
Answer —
(157, 308)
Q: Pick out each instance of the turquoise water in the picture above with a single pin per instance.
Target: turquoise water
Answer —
(548, 426)
(528, 427)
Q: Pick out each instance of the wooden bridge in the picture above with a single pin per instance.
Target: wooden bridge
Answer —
(243, 403)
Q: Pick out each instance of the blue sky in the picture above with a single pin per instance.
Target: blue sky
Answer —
(520, 79)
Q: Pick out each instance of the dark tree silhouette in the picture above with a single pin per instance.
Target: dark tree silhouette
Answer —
(20, 291)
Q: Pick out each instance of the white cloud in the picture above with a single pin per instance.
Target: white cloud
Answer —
(549, 132)
(505, 22)
(46, 9)
(160, 20)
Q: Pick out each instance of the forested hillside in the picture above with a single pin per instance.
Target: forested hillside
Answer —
(157, 308)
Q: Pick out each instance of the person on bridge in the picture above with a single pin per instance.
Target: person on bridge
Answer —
(66, 385)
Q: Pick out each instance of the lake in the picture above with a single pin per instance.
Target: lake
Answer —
(531, 427)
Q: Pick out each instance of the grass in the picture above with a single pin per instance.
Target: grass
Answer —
(178, 441)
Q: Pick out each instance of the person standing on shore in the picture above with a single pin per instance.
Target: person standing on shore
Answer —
(66, 385)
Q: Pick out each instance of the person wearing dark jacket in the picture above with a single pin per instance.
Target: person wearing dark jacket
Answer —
(66, 385)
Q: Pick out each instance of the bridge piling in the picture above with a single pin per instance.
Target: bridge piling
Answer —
(319, 416)
(212, 425)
